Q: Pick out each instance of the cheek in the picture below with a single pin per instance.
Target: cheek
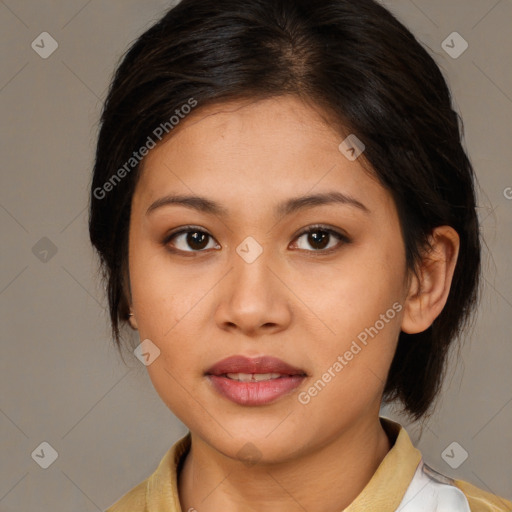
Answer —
(170, 302)
(160, 292)
(361, 303)
(355, 293)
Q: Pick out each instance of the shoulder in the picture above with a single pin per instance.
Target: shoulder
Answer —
(133, 501)
(429, 489)
(433, 491)
(160, 490)
(483, 501)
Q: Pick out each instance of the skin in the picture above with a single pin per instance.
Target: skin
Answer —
(293, 302)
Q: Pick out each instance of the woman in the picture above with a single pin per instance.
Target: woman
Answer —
(284, 211)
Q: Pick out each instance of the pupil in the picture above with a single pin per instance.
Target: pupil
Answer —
(196, 240)
(193, 242)
(314, 238)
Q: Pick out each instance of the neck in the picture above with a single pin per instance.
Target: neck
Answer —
(326, 479)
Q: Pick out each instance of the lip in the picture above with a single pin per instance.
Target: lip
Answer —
(243, 364)
(254, 393)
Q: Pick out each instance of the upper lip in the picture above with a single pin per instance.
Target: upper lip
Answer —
(243, 364)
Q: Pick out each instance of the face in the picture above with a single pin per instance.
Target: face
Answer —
(247, 279)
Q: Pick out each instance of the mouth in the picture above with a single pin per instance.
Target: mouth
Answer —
(254, 381)
(254, 377)
(270, 367)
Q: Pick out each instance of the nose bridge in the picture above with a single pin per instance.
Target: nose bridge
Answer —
(252, 261)
(251, 296)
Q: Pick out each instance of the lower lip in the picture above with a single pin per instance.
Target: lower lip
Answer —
(255, 393)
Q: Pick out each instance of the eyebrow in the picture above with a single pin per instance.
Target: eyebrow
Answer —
(287, 207)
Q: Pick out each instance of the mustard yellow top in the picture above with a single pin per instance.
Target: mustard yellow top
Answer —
(402, 481)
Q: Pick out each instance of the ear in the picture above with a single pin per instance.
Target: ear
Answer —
(430, 285)
(133, 321)
(127, 292)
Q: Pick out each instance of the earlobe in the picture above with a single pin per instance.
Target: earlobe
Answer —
(132, 321)
(128, 294)
(430, 285)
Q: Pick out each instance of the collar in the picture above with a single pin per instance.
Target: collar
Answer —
(384, 491)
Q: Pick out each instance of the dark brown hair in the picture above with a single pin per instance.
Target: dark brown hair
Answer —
(358, 63)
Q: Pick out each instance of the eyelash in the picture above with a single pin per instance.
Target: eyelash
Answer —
(312, 229)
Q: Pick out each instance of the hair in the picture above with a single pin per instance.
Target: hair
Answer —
(356, 62)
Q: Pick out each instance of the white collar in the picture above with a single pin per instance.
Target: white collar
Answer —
(433, 492)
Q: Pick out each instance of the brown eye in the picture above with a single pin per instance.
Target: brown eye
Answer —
(319, 238)
(188, 240)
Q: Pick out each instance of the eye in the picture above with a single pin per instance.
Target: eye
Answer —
(197, 239)
(319, 237)
(190, 236)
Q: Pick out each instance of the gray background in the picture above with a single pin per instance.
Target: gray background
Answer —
(61, 380)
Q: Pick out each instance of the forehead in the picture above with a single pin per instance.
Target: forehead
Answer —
(243, 128)
(254, 150)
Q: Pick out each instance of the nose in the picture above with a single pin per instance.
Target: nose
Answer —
(253, 298)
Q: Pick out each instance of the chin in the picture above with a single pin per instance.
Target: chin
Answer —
(257, 446)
